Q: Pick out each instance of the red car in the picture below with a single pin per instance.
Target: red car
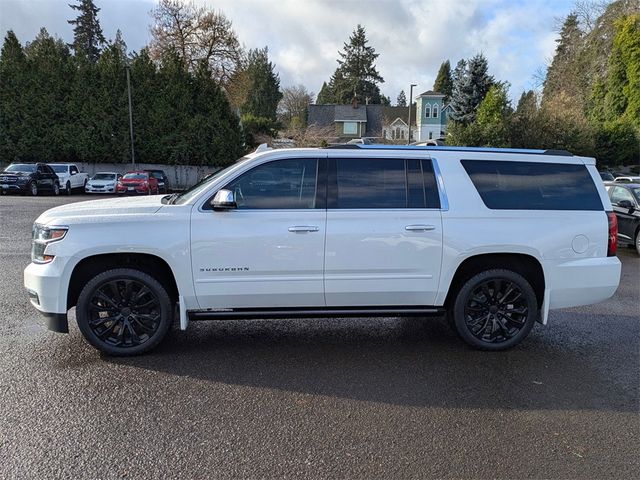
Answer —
(137, 182)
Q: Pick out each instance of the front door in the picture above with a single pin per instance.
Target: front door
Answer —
(269, 251)
(384, 233)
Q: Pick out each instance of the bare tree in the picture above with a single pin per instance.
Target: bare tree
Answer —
(294, 103)
(588, 12)
(197, 35)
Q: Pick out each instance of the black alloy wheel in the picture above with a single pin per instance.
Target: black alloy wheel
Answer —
(495, 310)
(33, 189)
(124, 312)
(68, 188)
(56, 188)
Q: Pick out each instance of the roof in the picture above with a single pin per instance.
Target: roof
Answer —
(391, 113)
(562, 153)
(321, 115)
(431, 93)
(348, 113)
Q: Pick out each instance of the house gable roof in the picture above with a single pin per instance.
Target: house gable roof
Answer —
(346, 113)
(431, 93)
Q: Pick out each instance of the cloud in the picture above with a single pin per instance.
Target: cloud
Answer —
(304, 36)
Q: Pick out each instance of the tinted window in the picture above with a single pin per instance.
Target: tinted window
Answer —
(533, 186)
(60, 168)
(371, 183)
(73, 169)
(281, 184)
(104, 176)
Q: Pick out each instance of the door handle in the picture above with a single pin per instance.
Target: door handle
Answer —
(303, 228)
(419, 228)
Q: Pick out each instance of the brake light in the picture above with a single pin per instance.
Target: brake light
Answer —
(612, 247)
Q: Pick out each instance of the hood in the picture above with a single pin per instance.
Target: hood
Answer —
(98, 210)
(15, 174)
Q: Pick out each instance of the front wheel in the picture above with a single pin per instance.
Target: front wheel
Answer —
(124, 312)
(33, 189)
(495, 310)
(56, 189)
(68, 188)
(638, 242)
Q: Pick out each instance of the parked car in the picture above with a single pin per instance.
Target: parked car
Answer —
(137, 182)
(606, 176)
(29, 178)
(492, 238)
(103, 182)
(625, 199)
(163, 180)
(627, 179)
(70, 176)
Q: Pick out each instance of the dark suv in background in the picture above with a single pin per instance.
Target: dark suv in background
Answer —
(163, 180)
(29, 178)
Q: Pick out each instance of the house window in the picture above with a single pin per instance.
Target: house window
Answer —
(402, 134)
(435, 111)
(350, 128)
(427, 111)
(430, 135)
(397, 133)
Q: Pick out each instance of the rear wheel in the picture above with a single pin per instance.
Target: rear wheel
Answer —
(495, 310)
(124, 312)
(67, 188)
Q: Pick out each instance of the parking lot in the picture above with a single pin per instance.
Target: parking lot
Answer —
(352, 398)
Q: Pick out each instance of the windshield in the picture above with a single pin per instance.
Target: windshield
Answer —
(59, 168)
(104, 176)
(135, 176)
(157, 175)
(21, 167)
(203, 184)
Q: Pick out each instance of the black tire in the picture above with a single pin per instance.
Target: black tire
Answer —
(110, 315)
(68, 188)
(637, 242)
(32, 189)
(56, 189)
(481, 317)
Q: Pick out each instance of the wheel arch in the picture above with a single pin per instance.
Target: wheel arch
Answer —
(524, 264)
(90, 266)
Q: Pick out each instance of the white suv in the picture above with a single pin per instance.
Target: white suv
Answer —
(494, 238)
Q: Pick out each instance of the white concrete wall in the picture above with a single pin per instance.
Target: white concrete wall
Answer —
(180, 176)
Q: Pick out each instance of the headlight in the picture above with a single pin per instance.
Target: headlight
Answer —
(41, 237)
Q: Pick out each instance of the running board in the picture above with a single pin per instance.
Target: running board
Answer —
(312, 312)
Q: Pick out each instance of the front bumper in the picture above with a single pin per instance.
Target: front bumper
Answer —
(43, 283)
(13, 188)
(90, 189)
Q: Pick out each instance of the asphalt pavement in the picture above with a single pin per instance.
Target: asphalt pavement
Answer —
(346, 398)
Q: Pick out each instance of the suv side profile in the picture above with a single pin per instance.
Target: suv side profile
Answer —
(493, 238)
(29, 179)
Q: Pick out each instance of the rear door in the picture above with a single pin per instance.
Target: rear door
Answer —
(627, 221)
(384, 232)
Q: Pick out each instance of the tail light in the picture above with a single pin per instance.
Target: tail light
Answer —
(612, 246)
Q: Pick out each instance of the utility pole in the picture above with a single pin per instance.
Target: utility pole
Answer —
(410, 105)
(133, 158)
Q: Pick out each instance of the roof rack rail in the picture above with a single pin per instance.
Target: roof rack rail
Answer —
(444, 148)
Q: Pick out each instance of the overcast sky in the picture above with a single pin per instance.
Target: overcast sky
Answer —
(304, 36)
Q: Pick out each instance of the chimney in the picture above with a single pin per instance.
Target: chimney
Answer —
(354, 102)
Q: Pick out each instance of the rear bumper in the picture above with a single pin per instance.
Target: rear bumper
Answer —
(581, 282)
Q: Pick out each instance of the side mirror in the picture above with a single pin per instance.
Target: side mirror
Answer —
(73, 172)
(224, 200)
(626, 204)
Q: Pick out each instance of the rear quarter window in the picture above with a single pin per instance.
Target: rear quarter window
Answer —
(506, 185)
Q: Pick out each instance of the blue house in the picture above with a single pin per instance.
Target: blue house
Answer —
(433, 116)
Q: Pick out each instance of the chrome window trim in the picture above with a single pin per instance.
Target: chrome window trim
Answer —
(444, 201)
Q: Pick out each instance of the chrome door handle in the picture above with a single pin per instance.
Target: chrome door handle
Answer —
(420, 228)
(303, 228)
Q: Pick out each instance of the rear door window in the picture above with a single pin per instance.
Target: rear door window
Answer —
(381, 183)
(506, 185)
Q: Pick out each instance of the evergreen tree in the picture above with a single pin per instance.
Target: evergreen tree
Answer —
(401, 101)
(264, 93)
(87, 33)
(13, 77)
(356, 76)
(471, 82)
(444, 82)
(325, 96)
